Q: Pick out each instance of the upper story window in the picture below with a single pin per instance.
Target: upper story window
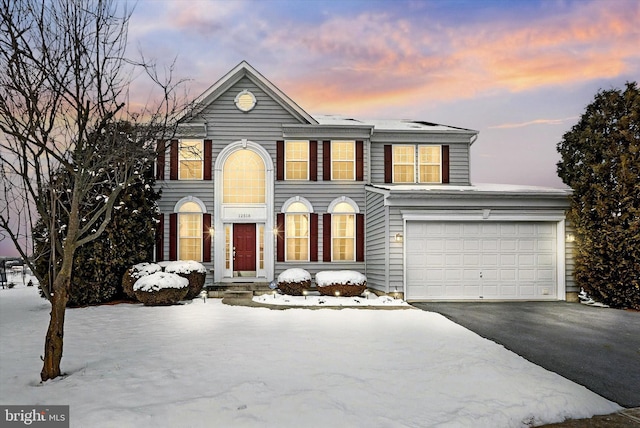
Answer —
(297, 232)
(296, 160)
(404, 164)
(427, 169)
(429, 164)
(244, 178)
(190, 160)
(343, 160)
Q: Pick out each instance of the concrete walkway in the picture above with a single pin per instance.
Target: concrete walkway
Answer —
(595, 347)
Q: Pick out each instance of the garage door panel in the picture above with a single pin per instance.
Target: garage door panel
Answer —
(481, 260)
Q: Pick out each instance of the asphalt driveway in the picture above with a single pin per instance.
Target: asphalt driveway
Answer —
(595, 347)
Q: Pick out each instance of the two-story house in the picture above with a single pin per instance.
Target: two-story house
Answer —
(253, 185)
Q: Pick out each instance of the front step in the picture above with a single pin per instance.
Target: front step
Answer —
(220, 290)
(238, 294)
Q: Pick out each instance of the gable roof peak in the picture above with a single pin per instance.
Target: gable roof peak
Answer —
(244, 69)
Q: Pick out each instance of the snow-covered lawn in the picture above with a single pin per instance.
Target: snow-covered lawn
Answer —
(212, 365)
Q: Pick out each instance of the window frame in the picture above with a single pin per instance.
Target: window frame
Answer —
(334, 160)
(417, 164)
(306, 160)
(420, 164)
(182, 158)
(197, 236)
(334, 210)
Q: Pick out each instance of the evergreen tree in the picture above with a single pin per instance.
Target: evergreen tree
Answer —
(128, 239)
(601, 163)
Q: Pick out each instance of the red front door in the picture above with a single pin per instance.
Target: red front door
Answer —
(244, 245)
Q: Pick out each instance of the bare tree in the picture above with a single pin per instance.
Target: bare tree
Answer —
(64, 82)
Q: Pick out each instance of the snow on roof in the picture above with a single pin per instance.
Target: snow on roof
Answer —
(388, 124)
(294, 275)
(476, 188)
(185, 266)
(328, 277)
(160, 280)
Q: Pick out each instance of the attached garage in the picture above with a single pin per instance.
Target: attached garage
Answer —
(488, 260)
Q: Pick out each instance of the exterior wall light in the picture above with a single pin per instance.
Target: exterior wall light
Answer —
(399, 237)
(570, 237)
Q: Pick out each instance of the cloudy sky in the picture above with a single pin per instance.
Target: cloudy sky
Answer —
(521, 72)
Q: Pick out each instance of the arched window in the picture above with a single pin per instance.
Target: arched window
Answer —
(343, 229)
(244, 178)
(190, 231)
(297, 232)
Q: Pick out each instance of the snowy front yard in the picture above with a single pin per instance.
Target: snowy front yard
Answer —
(212, 365)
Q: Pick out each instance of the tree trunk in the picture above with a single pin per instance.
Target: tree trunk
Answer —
(55, 333)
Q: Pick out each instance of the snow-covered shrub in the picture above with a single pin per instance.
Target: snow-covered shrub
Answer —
(294, 281)
(346, 283)
(136, 272)
(191, 270)
(161, 288)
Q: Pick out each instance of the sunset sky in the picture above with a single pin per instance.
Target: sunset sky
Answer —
(520, 72)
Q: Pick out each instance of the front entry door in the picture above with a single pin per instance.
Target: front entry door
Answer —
(244, 247)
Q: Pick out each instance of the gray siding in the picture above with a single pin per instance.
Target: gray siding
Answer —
(458, 162)
(396, 252)
(377, 244)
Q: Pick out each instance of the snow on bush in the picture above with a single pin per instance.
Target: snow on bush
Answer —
(294, 275)
(185, 266)
(160, 280)
(144, 269)
(345, 277)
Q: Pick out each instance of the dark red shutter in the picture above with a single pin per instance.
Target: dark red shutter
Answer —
(388, 163)
(173, 160)
(160, 238)
(326, 160)
(313, 160)
(359, 160)
(326, 237)
(206, 237)
(280, 237)
(173, 236)
(279, 160)
(445, 164)
(359, 237)
(313, 238)
(160, 159)
(208, 155)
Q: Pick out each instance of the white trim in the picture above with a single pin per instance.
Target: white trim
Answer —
(482, 215)
(346, 199)
(561, 286)
(268, 219)
(176, 207)
(294, 199)
(478, 218)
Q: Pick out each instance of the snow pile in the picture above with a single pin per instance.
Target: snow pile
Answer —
(160, 280)
(294, 275)
(208, 364)
(313, 299)
(329, 277)
(144, 269)
(185, 267)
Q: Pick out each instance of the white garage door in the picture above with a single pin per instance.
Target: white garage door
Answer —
(481, 260)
